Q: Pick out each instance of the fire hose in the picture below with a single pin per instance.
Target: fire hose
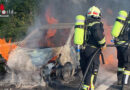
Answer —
(86, 71)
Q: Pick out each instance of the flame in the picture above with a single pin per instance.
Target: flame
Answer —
(51, 32)
(53, 59)
(49, 18)
(109, 59)
(6, 48)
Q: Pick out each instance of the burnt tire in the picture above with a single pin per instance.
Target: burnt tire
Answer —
(2, 71)
(67, 71)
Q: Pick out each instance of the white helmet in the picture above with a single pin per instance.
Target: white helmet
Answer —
(94, 11)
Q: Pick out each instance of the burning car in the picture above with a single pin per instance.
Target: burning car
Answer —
(50, 56)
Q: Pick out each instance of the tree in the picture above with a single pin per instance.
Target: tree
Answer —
(16, 25)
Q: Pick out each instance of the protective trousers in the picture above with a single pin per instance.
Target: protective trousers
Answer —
(86, 56)
(120, 56)
(126, 74)
(123, 54)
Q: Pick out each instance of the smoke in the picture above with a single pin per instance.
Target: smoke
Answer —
(110, 8)
(65, 11)
(61, 10)
(25, 66)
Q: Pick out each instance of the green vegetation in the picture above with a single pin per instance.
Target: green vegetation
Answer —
(16, 25)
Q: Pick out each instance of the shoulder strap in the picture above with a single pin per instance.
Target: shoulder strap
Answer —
(124, 33)
(86, 31)
(93, 23)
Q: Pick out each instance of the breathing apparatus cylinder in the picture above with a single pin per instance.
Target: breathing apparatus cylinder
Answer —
(119, 23)
(79, 30)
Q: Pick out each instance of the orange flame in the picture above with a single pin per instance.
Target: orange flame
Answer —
(53, 59)
(49, 18)
(109, 59)
(51, 32)
(6, 48)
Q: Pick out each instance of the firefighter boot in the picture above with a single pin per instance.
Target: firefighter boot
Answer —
(67, 72)
(120, 76)
(126, 80)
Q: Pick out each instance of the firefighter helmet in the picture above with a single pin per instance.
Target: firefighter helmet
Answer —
(94, 11)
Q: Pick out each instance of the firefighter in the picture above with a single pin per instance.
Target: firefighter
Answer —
(93, 39)
(121, 34)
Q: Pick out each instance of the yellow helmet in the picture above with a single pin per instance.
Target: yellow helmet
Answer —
(122, 15)
(94, 11)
